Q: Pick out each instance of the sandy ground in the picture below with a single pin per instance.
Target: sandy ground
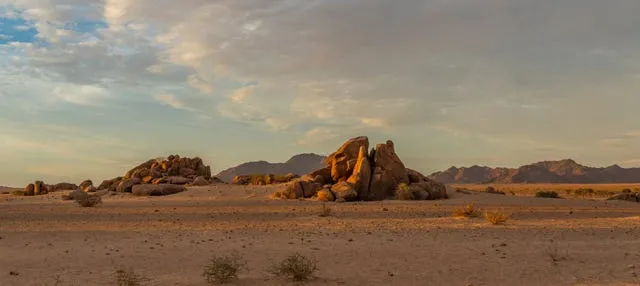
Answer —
(169, 239)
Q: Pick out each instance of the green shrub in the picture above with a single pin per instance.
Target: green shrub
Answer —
(296, 267)
(223, 269)
(547, 194)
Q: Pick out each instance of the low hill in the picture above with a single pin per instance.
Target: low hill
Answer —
(299, 164)
(564, 171)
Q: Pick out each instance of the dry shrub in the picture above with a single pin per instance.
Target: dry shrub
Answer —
(89, 201)
(404, 193)
(18, 193)
(223, 269)
(296, 267)
(468, 211)
(325, 211)
(547, 194)
(130, 278)
(496, 218)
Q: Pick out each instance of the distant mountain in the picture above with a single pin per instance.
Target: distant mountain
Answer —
(564, 171)
(299, 164)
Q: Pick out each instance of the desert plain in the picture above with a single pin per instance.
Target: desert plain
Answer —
(568, 241)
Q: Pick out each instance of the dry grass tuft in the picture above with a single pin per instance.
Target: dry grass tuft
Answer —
(296, 267)
(223, 269)
(496, 218)
(468, 211)
(325, 211)
(130, 278)
(89, 201)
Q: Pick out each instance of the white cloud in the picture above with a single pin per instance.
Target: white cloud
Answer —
(170, 100)
(317, 136)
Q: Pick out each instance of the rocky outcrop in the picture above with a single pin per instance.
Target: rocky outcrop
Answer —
(626, 196)
(353, 173)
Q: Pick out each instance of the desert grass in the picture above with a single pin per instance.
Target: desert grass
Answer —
(296, 267)
(468, 211)
(223, 269)
(325, 211)
(130, 278)
(496, 217)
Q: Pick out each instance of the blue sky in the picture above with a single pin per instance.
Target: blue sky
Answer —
(90, 88)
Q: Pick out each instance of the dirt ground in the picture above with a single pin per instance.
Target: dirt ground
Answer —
(47, 241)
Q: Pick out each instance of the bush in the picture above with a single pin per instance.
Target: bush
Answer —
(468, 211)
(492, 190)
(88, 201)
(277, 195)
(296, 267)
(129, 278)
(547, 194)
(325, 211)
(496, 218)
(223, 269)
(626, 191)
(18, 193)
(404, 193)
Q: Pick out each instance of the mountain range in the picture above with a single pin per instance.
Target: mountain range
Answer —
(299, 164)
(565, 171)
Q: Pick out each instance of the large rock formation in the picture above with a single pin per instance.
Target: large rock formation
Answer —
(353, 173)
(172, 170)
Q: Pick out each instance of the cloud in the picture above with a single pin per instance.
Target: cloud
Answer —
(317, 136)
(170, 100)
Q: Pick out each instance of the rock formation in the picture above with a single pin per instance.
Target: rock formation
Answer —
(173, 170)
(355, 173)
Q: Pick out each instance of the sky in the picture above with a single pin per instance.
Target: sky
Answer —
(90, 88)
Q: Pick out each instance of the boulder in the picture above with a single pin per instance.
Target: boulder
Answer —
(126, 185)
(361, 176)
(90, 189)
(344, 191)
(39, 188)
(325, 195)
(157, 190)
(177, 180)
(344, 159)
(75, 195)
(85, 184)
(631, 197)
(29, 190)
(141, 170)
(186, 172)
(200, 181)
(388, 172)
(297, 189)
(63, 187)
(159, 181)
(110, 184)
(322, 176)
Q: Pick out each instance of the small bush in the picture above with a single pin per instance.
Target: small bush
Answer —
(626, 191)
(496, 218)
(129, 278)
(89, 201)
(223, 269)
(296, 267)
(604, 194)
(547, 194)
(404, 193)
(468, 211)
(18, 193)
(492, 190)
(325, 211)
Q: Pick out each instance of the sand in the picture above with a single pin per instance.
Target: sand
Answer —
(45, 240)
